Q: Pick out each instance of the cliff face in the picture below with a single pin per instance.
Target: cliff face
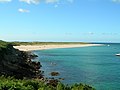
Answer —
(18, 63)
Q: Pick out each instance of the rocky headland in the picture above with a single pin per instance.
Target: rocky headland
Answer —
(18, 63)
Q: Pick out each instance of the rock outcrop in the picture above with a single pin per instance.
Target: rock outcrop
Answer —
(54, 73)
(18, 63)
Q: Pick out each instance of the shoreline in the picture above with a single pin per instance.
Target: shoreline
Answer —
(44, 47)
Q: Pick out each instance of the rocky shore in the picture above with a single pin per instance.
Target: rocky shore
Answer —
(18, 63)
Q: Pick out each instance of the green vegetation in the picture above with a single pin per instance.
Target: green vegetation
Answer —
(10, 83)
(3, 44)
(45, 43)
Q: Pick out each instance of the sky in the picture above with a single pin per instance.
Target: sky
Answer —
(60, 20)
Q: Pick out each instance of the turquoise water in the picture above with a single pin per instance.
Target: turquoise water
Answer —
(97, 66)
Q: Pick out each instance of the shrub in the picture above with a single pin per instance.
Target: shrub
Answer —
(10, 83)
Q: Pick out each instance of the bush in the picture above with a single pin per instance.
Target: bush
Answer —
(10, 83)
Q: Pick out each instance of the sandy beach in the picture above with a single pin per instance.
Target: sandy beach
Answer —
(43, 47)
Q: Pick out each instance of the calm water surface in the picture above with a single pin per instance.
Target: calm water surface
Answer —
(97, 66)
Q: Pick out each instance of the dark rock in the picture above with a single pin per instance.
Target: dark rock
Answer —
(54, 73)
(53, 82)
(32, 56)
(61, 79)
(18, 63)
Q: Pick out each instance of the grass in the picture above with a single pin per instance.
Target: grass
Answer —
(46, 43)
(10, 83)
(3, 44)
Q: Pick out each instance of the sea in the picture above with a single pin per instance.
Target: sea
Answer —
(97, 66)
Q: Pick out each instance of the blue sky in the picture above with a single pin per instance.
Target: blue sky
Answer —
(60, 20)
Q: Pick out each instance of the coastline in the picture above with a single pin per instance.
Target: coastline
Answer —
(44, 47)
(19, 72)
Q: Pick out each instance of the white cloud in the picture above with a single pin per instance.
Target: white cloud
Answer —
(56, 6)
(116, 1)
(91, 33)
(71, 1)
(56, 1)
(30, 1)
(46, 1)
(23, 10)
(2, 1)
(51, 1)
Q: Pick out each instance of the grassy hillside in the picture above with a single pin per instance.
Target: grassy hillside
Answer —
(3, 44)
